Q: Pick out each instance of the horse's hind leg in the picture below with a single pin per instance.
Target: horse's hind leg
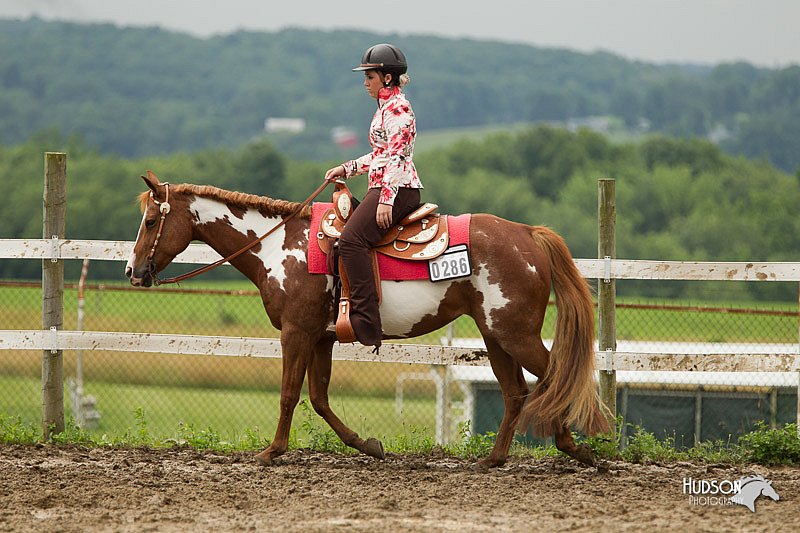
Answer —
(296, 348)
(512, 384)
(319, 377)
(579, 452)
(535, 361)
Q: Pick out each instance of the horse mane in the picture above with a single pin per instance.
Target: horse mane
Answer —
(265, 204)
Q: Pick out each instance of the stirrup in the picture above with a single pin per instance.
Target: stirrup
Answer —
(344, 329)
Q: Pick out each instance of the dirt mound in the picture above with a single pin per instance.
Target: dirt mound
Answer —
(47, 488)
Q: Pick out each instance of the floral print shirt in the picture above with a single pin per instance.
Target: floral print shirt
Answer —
(391, 135)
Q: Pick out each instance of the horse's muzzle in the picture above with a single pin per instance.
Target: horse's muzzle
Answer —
(140, 279)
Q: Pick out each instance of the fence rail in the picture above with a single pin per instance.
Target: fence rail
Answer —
(390, 353)
(589, 268)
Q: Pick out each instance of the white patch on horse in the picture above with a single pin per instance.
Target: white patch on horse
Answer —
(532, 268)
(272, 253)
(493, 298)
(405, 303)
(132, 257)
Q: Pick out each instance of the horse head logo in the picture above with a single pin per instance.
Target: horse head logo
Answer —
(751, 488)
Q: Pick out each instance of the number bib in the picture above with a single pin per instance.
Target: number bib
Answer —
(453, 263)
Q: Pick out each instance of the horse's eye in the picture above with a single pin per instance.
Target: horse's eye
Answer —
(150, 223)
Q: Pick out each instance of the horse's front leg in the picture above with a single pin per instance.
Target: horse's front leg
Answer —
(319, 377)
(296, 348)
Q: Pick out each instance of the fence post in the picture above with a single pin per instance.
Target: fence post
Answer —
(54, 203)
(606, 291)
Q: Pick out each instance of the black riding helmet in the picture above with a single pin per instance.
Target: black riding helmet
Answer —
(385, 57)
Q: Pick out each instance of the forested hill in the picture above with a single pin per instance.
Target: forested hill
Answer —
(148, 91)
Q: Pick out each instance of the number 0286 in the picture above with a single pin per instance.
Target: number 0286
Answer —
(453, 263)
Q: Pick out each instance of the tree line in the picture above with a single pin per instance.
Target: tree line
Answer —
(142, 91)
(677, 199)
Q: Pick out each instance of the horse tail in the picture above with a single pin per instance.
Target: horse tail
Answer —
(567, 393)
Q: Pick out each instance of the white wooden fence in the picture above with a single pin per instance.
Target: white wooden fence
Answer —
(51, 339)
(44, 249)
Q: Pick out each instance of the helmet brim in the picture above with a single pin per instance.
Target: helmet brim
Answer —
(370, 66)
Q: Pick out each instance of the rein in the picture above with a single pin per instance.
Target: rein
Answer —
(164, 207)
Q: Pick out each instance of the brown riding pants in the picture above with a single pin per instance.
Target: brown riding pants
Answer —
(358, 238)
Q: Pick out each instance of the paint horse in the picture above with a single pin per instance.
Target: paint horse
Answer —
(514, 267)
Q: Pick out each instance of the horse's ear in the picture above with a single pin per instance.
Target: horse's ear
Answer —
(152, 181)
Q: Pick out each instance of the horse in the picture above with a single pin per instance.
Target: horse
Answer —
(515, 266)
(750, 488)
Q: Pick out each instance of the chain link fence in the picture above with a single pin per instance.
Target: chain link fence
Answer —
(690, 407)
(232, 395)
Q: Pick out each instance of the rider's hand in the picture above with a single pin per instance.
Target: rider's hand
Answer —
(335, 172)
(383, 216)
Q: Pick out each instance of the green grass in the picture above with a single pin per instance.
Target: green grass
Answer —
(160, 311)
(762, 446)
(693, 325)
(157, 310)
(443, 137)
(228, 411)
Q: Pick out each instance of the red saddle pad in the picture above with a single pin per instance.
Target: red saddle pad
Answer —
(391, 268)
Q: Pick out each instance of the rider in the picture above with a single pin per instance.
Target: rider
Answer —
(393, 183)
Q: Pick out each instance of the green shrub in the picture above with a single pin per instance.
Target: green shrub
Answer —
(72, 434)
(321, 440)
(644, 447)
(419, 441)
(14, 431)
(772, 446)
(471, 446)
(605, 445)
(205, 439)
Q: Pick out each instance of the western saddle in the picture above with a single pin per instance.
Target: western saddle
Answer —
(420, 236)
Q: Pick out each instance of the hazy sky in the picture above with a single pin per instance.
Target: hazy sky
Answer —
(763, 32)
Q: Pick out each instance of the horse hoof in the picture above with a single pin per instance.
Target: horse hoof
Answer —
(374, 448)
(484, 465)
(583, 453)
(480, 467)
(264, 459)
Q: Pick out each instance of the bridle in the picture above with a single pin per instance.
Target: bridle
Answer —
(164, 207)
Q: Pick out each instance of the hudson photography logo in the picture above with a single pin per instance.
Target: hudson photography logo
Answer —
(742, 491)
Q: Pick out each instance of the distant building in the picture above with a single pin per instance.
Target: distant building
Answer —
(719, 133)
(600, 124)
(344, 137)
(284, 124)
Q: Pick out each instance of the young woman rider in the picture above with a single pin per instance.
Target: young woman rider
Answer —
(394, 187)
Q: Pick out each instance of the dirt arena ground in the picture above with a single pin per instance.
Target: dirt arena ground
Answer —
(50, 488)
